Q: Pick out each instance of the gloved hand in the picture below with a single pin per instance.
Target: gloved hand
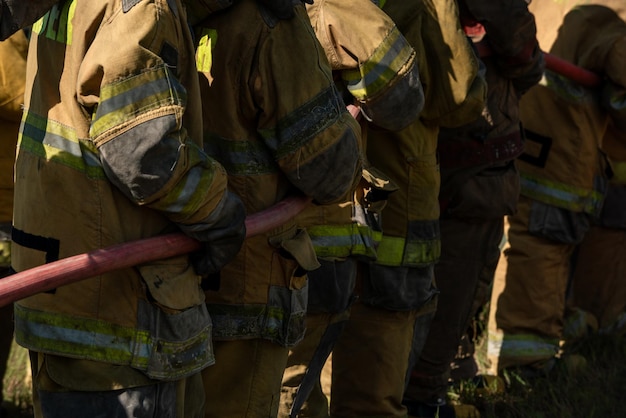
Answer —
(282, 9)
(221, 236)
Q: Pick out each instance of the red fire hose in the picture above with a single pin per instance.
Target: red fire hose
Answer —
(94, 263)
(558, 65)
(579, 75)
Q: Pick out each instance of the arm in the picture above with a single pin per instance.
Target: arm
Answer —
(375, 61)
(145, 124)
(313, 138)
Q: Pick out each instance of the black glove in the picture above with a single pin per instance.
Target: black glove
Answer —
(221, 236)
(282, 9)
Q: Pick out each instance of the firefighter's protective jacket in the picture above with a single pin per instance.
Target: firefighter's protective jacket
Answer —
(504, 33)
(561, 165)
(111, 151)
(275, 119)
(454, 95)
(12, 78)
(377, 66)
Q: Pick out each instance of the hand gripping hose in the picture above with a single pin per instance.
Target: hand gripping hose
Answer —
(72, 269)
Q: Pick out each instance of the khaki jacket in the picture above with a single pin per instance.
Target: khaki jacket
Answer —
(12, 78)
(280, 128)
(111, 151)
(454, 95)
(565, 122)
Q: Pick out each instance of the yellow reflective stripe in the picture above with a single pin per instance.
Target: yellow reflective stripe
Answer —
(395, 252)
(204, 51)
(122, 102)
(379, 70)
(57, 23)
(81, 337)
(528, 345)
(58, 143)
(344, 240)
(619, 171)
(188, 195)
(560, 194)
(390, 251)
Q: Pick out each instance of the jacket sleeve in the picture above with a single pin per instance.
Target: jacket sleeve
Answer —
(142, 111)
(310, 133)
(512, 37)
(455, 90)
(12, 76)
(376, 62)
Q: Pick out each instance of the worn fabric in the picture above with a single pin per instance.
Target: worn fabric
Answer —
(399, 285)
(272, 145)
(245, 380)
(479, 185)
(12, 78)
(373, 59)
(378, 70)
(113, 149)
(280, 127)
(564, 181)
(561, 163)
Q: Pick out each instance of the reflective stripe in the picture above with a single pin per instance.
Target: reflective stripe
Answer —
(395, 252)
(163, 346)
(567, 89)
(122, 102)
(344, 240)
(58, 143)
(381, 68)
(81, 337)
(57, 23)
(189, 194)
(243, 158)
(304, 123)
(204, 51)
(280, 321)
(561, 195)
(528, 346)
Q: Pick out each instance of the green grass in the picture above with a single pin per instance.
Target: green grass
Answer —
(573, 389)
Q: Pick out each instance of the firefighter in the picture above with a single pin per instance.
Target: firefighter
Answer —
(280, 127)
(110, 150)
(479, 186)
(12, 78)
(396, 292)
(377, 70)
(563, 185)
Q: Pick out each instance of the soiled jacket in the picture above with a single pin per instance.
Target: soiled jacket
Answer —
(110, 151)
(12, 78)
(565, 122)
(275, 119)
(454, 95)
(377, 66)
